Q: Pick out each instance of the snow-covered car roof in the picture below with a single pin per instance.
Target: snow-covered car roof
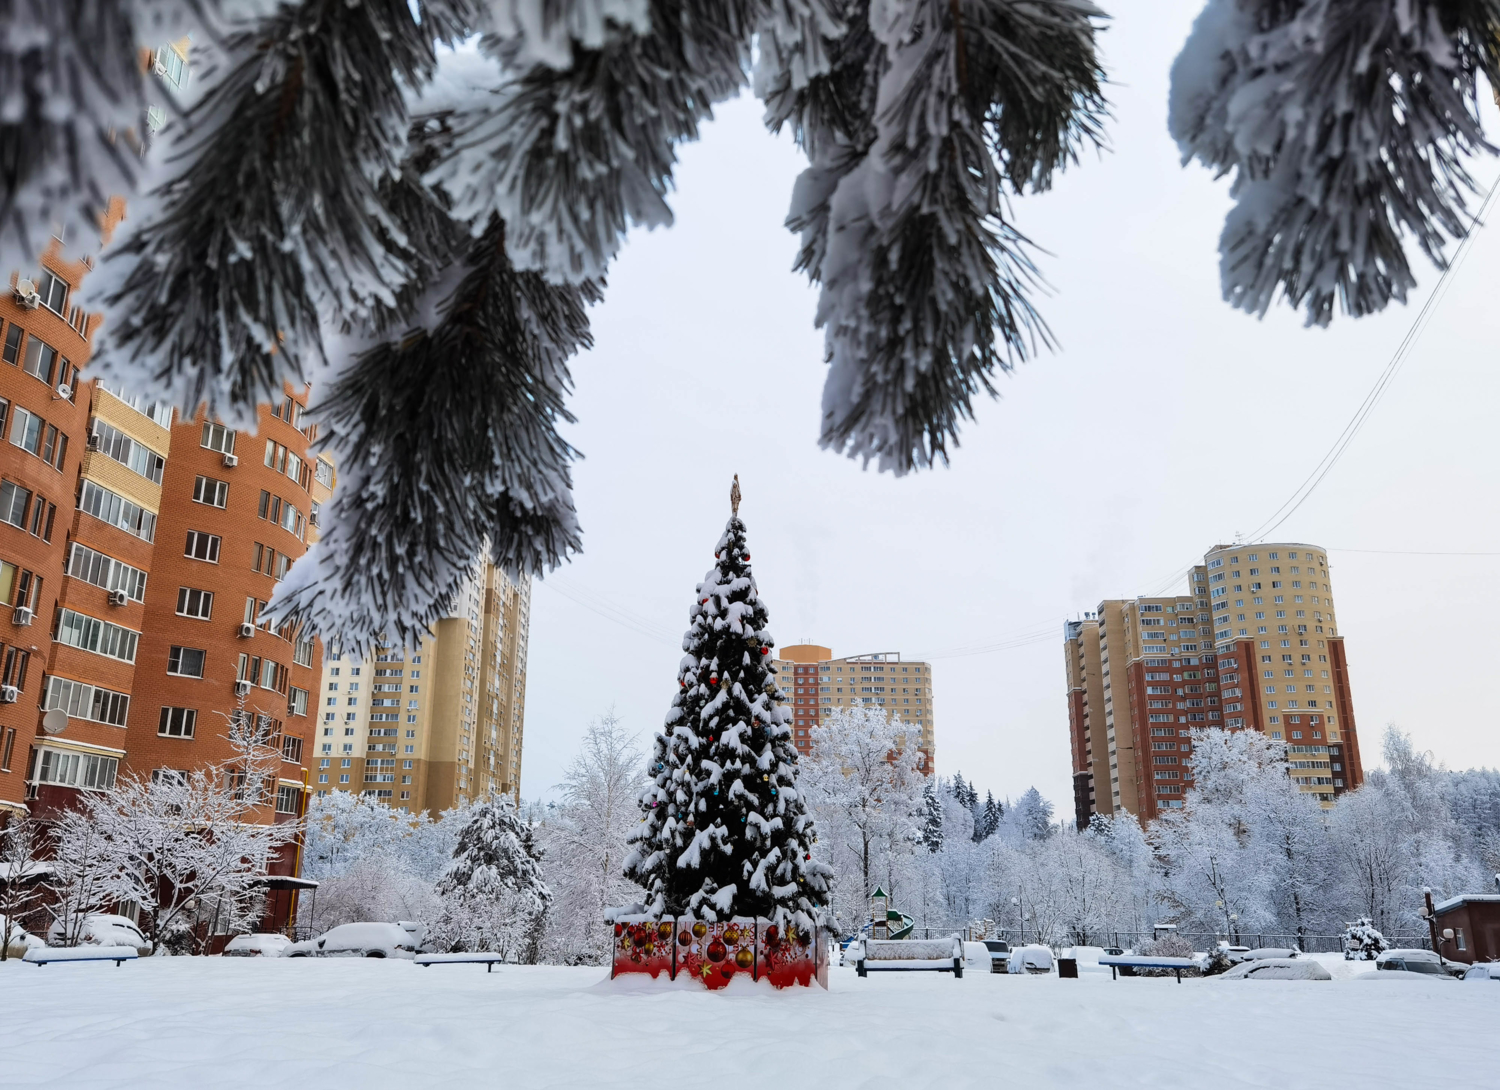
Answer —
(1278, 969)
(263, 943)
(1414, 953)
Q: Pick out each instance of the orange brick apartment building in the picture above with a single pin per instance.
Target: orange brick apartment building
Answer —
(136, 552)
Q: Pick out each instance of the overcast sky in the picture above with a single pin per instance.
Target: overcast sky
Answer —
(1164, 423)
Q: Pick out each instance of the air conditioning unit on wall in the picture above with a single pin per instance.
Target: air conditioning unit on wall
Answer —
(246, 630)
(9, 694)
(23, 615)
(241, 688)
(230, 461)
(118, 598)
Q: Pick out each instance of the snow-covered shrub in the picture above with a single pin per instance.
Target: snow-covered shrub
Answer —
(1362, 942)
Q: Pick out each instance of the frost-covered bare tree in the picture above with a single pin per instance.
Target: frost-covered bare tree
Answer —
(22, 874)
(585, 839)
(863, 782)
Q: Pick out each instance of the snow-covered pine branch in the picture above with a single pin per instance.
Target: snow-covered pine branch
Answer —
(265, 219)
(1346, 125)
(452, 443)
(931, 109)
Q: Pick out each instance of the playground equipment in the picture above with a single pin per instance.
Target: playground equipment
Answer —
(885, 922)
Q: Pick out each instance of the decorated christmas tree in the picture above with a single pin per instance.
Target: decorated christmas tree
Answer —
(724, 831)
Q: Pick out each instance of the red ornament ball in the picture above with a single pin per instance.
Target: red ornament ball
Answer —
(716, 951)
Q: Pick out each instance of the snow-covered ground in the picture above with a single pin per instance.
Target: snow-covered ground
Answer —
(168, 1023)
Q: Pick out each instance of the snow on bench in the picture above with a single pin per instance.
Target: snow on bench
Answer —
(907, 955)
(1141, 961)
(41, 955)
(489, 961)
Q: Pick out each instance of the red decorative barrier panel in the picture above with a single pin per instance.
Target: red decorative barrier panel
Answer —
(714, 952)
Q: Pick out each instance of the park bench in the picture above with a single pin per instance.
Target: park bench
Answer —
(41, 955)
(489, 961)
(908, 955)
(1117, 962)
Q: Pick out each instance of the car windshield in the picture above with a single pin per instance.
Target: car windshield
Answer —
(1424, 967)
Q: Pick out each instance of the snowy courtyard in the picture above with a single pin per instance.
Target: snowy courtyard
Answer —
(165, 1023)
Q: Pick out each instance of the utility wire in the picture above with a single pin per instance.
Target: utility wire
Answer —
(1382, 383)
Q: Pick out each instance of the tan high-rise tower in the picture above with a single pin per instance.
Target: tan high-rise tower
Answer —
(815, 683)
(442, 724)
(1253, 646)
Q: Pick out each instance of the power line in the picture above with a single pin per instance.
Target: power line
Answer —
(1382, 383)
(1408, 552)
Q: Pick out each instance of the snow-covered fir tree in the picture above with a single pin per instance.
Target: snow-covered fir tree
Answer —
(494, 894)
(724, 829)
(932, 818)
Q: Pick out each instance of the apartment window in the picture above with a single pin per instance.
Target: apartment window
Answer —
(185, 661)
(218, 437)
(117, 511)
(169, 65)
(83, 701)
(8, 749)
(91, 634)
(195, 603)
(297, 701)
(14, 501)
(12, 351)
(85, 770)
(324, 473)
(177, 722)
(105, 571)
(291, 749)
(302, 652)
(39, 359)
(13, 671)
(276, 456)
(202, 546)
(26, 431)
(139, 458)
(210, 491)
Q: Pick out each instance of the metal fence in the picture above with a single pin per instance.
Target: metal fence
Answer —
(1134, 940)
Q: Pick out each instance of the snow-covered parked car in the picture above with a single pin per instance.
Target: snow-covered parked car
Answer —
(357, 940)
(19, 941)
(260, 945)
(1278, 969)
(1485, 970)
(999, 951)
(103, 929)
(1034, 959)
(1419, 961)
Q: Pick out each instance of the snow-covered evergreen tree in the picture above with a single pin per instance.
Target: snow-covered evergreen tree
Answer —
(494, 894)
(932, 818)
(1031, 815)
(1363, 941)
(724, 828)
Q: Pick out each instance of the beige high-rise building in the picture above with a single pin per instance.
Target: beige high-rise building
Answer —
(1253, 645)
(436, 726)
(816, 683)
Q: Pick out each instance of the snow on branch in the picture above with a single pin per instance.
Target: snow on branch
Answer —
(268, 220)
(928, 112)
(571, 156)
(1346, 125)
(451, 440)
